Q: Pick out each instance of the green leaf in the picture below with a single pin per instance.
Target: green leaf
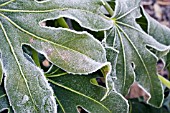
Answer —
(70, 50)
(5, 2)
(167, 102)
(141, 107)
(135, 61)
(23, 78)
(86, 13)
(72, 91)
(112, 55)
(160, 32)
(61, 40)
(67, 49)
(4, 104)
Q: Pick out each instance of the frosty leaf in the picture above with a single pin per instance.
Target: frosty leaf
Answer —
(84, 12)
(25, 20)
(135, 61)
(67, 49)
(160, 32)
(140, 107)
(112, 57)
(72, 91)
(70, 50)
(23, 78)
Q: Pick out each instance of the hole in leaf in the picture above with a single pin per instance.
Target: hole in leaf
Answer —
(71, 24)
(54, 70)
(161, 69)
(166, 92)
(81, 109)
(4, 111)
(160, 65)
(136, 91)
(3, 91)
(142, 21)
(41, 0)
(133, 65)
(2, 84)
(151, 49)
(160, 61)
(35, 57)
(99, 81)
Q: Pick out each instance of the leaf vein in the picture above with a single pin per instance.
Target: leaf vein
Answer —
(74, 91)
(140, 57)
(18, 63)
(124, 58)
(43, 39)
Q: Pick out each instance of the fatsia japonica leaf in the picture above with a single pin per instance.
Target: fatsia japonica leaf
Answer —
(21, 22)
(112, 55)
(135, 61)
(74, 91)
(141, 107)
(23, 78)
(85, 12)
(160, 32)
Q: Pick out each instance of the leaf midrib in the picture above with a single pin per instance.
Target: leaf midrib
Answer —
(35, 11)
(124, 57)
(6, 3)
(140, 57)
(32, 11)
(62, 108)
(49, 10)
(19, 66)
